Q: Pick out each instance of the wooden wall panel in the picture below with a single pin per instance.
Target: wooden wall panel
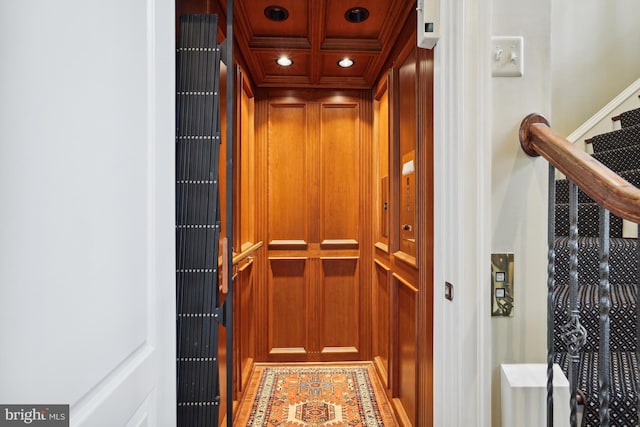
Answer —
(288, 305)
(340, 309)
(245, 326)
(340, 172)
(425, 239)
(407, 118)
(318, 154)
(287, 172)
(381, 320)
(247, 165)
(407, 348)
(382, 200)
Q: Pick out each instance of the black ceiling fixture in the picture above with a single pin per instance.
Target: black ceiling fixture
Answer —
(356, 15)
(276, 13)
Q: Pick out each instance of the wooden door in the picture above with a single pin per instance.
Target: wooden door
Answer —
(315, 226)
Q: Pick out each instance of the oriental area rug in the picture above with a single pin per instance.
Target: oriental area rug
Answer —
(315, 395)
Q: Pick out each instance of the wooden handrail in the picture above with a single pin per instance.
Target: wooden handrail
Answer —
(225, 265)
(603, 185)
(237, 258)
(246, 253)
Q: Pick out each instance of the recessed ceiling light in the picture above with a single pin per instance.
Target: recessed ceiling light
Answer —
(276, 13)
(346, 62)
(356, 15)
(284, 61)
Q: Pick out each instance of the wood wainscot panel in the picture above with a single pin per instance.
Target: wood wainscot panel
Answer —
(339, 172)
(407, 350)
(288, 306)
(340, 309)
(245, 325)
(381, 320)
(287, 172)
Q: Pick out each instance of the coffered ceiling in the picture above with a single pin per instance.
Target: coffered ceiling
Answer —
(316, 35)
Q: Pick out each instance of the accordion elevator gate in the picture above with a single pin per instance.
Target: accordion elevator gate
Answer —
(200, 303)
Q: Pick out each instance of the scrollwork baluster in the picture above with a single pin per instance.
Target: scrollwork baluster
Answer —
(574, 334)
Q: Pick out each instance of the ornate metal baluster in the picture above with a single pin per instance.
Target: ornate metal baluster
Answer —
(604, 296)
(573, 334)
(551, 280)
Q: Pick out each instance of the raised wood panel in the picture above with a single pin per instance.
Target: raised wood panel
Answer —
(407, 118)
(340, 172)
(340, 320)
(245, 327)
(247, 165)
(407, 347)
(287, 172)
(381, 137)
(288, 306)
(382, 317)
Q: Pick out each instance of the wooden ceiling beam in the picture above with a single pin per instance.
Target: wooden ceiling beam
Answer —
(317, 19)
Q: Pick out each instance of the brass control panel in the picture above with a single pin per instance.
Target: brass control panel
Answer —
(502, 286)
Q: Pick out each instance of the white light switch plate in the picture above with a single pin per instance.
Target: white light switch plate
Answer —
(507, 56)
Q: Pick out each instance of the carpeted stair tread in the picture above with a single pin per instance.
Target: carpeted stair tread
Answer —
(630, 118)
(625, 137)
(622, 377)
(623, 311)
(562, 187)
(632, 176)
(622, 260)
(588, 220)
(562, 193)
(620, 159)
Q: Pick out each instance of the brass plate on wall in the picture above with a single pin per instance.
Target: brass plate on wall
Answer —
(502, 286)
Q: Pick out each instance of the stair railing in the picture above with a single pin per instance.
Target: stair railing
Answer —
(613, 194)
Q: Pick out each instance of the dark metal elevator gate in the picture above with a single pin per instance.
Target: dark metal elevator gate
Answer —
(199, 309)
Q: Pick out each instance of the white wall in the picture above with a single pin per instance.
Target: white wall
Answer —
(594, 56)
(519, 188)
